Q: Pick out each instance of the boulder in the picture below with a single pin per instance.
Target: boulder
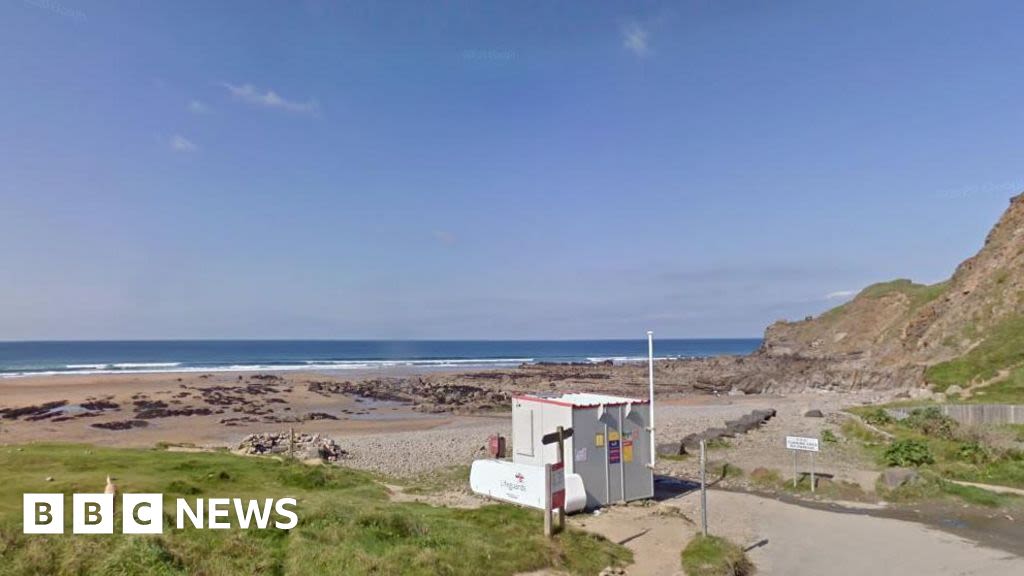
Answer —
(670, 448)
(954, 389)
(815, 413)
(895, 477)
(303, 446)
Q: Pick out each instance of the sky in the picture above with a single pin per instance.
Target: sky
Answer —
(491, 169)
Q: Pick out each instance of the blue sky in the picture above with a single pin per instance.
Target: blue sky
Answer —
(491, 170)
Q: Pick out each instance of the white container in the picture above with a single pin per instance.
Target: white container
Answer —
(610, 448)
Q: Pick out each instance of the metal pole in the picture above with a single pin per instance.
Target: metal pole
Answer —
(607, 473)
(650, 383)
(703, 489)
(794, 468)
(812, 472)
(622, 461)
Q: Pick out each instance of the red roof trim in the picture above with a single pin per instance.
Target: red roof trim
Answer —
(543, 401)
(529, 398)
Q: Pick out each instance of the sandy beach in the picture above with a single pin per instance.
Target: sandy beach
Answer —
(396, 422)
(418, 425)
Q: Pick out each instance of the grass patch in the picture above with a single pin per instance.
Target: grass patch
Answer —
(346, 522)
(978, 496)
(1009, 390)
(854, 430)
(931, 486)
(1003, 347)
(438, 481)
(714, 556)
(766, 478)
(725, 470)
(919, 294)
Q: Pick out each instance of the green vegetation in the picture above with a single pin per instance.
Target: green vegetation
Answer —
(908, 452)
(854, 430)
(347, 523)
(1009, 390)
(919, 294)
(943, 449)
(878, 417)
(932, 486)
(714, 556)
(1002, 348)
(728, 470)
(931, 422)
(828, 436)
(437, 481)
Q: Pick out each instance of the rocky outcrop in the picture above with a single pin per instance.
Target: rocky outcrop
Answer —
(425, 393)
(894, 330)
(300, 445)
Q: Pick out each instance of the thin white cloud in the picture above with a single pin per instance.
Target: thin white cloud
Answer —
(269, 99)
(635, 39)
(181, 144)
(197, 107)
(839, 294)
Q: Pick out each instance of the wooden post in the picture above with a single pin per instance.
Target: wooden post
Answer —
(561, 460)
(547, 500)
(291, 442)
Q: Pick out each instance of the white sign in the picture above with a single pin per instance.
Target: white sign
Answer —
(521, 484)
(557, 485)
(800, 443)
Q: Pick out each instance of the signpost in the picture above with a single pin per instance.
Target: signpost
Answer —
(800, 444)
(554, 484)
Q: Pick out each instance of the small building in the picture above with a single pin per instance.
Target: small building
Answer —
(610, 449)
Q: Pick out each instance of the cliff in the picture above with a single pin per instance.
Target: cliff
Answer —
(967, 329)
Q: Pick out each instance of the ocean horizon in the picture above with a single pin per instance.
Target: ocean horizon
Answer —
(46, 358)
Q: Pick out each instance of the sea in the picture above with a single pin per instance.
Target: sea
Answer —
(149, 356)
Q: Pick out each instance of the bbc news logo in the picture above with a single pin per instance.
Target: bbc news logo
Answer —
(144, 513)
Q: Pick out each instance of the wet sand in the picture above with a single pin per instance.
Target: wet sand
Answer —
(203, 409)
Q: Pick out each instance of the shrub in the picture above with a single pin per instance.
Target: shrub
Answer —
(931, 421)
(765, 477)
(878, 417)
(714, 556)
(973, 452)
(908, 453)
(731, 471)
(829, 437)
